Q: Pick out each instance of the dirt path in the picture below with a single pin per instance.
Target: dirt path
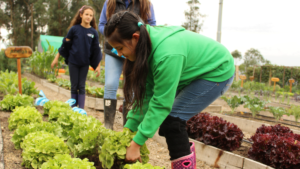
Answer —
(159, 156)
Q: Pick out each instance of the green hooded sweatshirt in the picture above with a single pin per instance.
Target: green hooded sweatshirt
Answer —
(178, 57)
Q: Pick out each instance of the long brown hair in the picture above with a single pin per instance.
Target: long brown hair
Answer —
(77, 19)
(120, 27)
(145, 12)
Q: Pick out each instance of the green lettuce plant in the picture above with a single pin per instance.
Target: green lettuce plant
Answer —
(40, 147)
(23, 116)
(65, 161)
(24, 130)
(10, 102)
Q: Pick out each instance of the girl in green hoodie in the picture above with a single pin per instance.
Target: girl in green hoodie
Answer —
(174, 74)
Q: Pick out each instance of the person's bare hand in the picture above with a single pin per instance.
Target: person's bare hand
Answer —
(54, 63)
(133, 153)
(97, 71)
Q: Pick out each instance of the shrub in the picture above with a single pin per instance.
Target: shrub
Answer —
(215, 131)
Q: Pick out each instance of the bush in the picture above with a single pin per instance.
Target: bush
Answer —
(215, 131)
(10, 102)
(66, 161)
(23, 116)
(24, 130)
(7, 63)
(276, 146)
(39, 147)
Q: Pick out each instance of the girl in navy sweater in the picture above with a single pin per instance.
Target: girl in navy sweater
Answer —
(80, 49)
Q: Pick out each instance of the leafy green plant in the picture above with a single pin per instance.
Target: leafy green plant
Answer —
(55, 112)
(54, 103)
(24, 130)
(40, 147)
(84, 135)
(255, 105)
(63, 83)
(66, 161)
(9, 84)
(10, 102)
(233, 102)
(96, 91)
(22, 116)
(295, 111)
(114, 148)
(29, 88)
(277, 112)
(139, 165)
(277, 94)
(41, 62)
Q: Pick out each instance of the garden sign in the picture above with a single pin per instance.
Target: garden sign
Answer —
(18, 52)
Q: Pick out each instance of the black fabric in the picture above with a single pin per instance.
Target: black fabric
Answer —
(174, 130)
(120, 6)
(89, 56)
(78, 76)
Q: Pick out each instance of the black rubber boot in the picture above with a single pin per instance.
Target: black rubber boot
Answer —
(174, 130)
(110, 106)
(125, 112)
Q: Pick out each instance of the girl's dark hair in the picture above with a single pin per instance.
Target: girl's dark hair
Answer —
(145, 12)
(77, 19)
(120, 27)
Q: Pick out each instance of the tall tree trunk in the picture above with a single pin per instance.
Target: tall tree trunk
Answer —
(31, 26)
(12, 21)
(59, 19)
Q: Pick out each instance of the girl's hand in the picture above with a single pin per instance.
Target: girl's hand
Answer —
(54, 63)
(97, 71)
(133, 153)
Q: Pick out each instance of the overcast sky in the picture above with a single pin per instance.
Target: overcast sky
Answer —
(271, 26)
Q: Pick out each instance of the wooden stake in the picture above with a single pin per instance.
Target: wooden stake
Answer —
(19, 75)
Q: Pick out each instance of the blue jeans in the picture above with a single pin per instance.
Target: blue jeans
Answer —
(198, 95)
(113, 70)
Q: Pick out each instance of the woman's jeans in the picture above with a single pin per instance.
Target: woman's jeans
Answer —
(113, 70)
(78, 76)
(198, 95)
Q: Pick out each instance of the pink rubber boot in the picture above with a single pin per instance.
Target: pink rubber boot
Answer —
(185, 162)
(192, 148)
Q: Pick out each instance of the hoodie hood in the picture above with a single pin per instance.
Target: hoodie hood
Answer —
(159, 33)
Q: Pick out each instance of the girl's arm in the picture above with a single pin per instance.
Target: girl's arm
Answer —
(55, 61)
(152, 20)
(102, 19)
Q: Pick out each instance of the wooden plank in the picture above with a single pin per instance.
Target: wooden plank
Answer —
(250, 164)
(213, 108)
(18, 52)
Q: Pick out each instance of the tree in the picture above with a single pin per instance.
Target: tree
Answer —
(193, 17)
(236, 55)
(253, 57)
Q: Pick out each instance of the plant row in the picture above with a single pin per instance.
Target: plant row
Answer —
(47, 144)
(276, 146)
(9, 84)
(94, 91)
(257, 105)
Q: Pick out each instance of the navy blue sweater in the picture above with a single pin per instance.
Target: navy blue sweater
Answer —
(83, 49)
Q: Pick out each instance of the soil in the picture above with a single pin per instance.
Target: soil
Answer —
(159, 156)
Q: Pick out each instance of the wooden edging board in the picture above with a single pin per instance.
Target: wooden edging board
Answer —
(91, 102)
(218, 158)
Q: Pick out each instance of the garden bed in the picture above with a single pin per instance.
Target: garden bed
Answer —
(90, 102)
(159, 155)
